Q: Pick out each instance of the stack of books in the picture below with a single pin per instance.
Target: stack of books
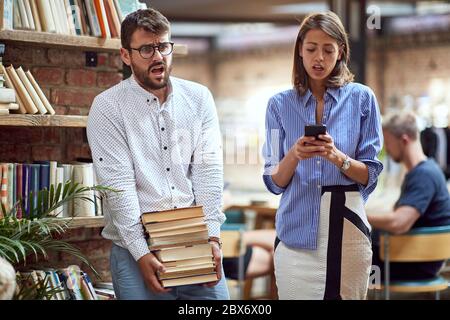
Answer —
(7, 96)
(179, 239)
(24, 89)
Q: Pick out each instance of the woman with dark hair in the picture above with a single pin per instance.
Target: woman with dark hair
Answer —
(323, 248)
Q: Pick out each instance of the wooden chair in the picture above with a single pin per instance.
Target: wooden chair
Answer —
(233, 247)
(418, 245)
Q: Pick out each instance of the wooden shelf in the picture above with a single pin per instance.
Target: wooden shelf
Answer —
(30, 120)
(67, 41)
(86, 222)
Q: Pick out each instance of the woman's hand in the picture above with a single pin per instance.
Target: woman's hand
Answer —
(307, 147)
(331, 153)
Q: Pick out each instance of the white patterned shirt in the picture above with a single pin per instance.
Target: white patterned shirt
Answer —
(160, 156)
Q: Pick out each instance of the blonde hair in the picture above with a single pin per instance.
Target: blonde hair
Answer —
(400, 124)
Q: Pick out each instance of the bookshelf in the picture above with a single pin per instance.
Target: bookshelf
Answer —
(30, 120)
(85, 222)
(67, 41)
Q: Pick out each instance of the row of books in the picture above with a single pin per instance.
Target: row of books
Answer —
(23, 89)
(179, 239)
(98, 18)
(69, 283)
(24, 180)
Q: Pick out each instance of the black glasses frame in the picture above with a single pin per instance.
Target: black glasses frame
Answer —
(156, 46)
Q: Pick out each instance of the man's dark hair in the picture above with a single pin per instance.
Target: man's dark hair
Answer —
(149, 19)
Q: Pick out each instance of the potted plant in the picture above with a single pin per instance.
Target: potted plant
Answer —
(33, 237)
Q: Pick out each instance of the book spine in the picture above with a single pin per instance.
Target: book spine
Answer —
(10, 188)
(102, 20)
(25, 188)
(34, 190)
(45, 13)
(41, 94)
(44, 176)
(23, 14)
(37, 20)
(30, 89)
(93, 19)
(4, 186)
(19, 188)
(6, 11)
(29, 14)
(9, 84)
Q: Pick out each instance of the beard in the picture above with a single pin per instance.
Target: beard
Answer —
(143, 76)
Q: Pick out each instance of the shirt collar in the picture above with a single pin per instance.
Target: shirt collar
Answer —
(333, 92)
(137, 86)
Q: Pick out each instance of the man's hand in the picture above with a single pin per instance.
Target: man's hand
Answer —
(149, 265)
(217, 254)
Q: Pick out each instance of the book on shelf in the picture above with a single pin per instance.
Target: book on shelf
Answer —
(7, 95)
(181, 244)
(35, 12)
(10, 85)
(20, 180)
(69, 283)
(6, 14)
(41, 94)
(22, 86)
(9, 106)
(21, 90)
(46, 16)
(30, 90)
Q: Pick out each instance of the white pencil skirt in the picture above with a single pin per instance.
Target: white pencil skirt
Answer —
(340, 267)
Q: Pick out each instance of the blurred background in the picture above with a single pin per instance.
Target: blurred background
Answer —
(243, 51)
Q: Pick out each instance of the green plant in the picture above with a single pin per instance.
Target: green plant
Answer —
(38, 233)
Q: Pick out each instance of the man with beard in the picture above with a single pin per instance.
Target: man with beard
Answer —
(424, 200)
(157, 139)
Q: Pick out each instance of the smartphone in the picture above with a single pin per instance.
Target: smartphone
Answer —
(315, 130)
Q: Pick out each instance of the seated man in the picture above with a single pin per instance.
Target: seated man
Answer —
(424, 200)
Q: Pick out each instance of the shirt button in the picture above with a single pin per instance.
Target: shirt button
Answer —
(318, 161)
(175, 207)
(162, 129)
(319, 186)
(168, 169)
(148, 100)
(173, 188)
(165, 148)
(154, 99)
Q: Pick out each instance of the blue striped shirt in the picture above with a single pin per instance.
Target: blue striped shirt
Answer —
(353, 119)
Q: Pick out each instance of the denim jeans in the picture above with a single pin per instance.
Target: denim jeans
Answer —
(130, 285)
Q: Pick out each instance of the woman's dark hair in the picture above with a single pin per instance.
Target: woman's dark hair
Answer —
(329, 23)
(149, 19)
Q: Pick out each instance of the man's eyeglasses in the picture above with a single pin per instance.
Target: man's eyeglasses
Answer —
(148, 50)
